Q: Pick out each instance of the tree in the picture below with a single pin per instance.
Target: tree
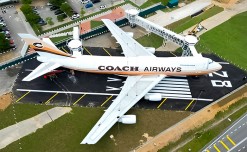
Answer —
(26, 9)
(49, 21)
(82, 12)
(56, 2)
(66, 8)
(4, 43)
(32, 18)
(26, 1)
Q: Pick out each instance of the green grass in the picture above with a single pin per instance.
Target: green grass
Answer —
(22, 112)
(66, 133)
(96, 24)
(67, 30)
(188, 22)
(206, 136)
(152, 2)
(152, 40)
(227, 40)
(57, 39)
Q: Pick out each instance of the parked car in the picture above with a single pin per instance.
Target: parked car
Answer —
(95, 1)
(2, 24)
(49, 4)
(85, 1)
(57, 12)
(6, 35)
(42, 22)
(63, 15)
(11, 43)
(3, 28)
(54, 8)
(75, 16)
(102, 7)
(88, 5)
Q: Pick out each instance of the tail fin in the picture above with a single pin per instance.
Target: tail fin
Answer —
(44, 45)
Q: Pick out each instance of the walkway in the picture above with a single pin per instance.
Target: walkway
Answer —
(15, 132)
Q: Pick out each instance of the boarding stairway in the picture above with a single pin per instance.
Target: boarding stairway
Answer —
(187, 42)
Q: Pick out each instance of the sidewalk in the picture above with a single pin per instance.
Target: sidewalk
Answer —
(26, 127)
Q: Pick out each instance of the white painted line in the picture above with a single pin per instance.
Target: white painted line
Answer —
(174, 79)
(170, 82)
(175, 86)
(172, 92)
(238, 144)
(227, 131)
(65, 92)
(178, 89)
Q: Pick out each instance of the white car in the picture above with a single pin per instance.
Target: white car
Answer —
(102, 7)
(75, 16)
(85, 1)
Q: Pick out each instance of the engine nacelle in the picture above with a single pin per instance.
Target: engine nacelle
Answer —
(150, 49)
(127, 119)
(131, 34)
(153, 97)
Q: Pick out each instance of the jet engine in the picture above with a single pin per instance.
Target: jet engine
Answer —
(131, 34)
(127, 119)
(153, 97)
(150, 49)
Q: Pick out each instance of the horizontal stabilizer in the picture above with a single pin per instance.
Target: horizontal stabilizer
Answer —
(42, 69)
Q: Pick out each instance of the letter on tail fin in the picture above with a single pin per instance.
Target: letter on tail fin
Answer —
(42, 46)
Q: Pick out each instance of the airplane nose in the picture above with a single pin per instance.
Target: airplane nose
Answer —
(217, 66)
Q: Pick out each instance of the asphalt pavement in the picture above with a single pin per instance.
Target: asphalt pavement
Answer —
(234, 138)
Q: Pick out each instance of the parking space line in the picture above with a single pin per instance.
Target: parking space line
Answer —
(87, 50)
(172, 53)
(215, 147)
(78, 99)
(161, 103)
(222, 143)
(106, 101)
(228, 137)
(51, 98)
(106, 51)
(22, 96)
(64, 50)
(189, 104)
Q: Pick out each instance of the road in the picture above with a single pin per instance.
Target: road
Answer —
(232, 139)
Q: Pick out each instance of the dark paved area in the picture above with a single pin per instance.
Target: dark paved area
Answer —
(225, 81)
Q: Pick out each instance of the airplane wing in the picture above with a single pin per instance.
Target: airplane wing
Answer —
(48, 41)
(134, 89)
(43, 68)
(130, 46)
(194, 51)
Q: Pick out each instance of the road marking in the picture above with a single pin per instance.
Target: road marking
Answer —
(51, 98)
(189, 104)
(22, 96)
(70, 92)
(106, 101)
(172, 53)
(215, 147)
(233, 148)
(64, 50)
(229, 129)
(78, 99)
(87, 50)
(224, 145)
(161, 103)
(228, 137)
(207, 150)
(106, 51)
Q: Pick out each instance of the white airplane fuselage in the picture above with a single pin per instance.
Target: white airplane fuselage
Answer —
(142, 65)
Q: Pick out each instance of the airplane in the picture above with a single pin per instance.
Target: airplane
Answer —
(141, 67)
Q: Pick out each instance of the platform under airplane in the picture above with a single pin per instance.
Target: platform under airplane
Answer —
(143, 70)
